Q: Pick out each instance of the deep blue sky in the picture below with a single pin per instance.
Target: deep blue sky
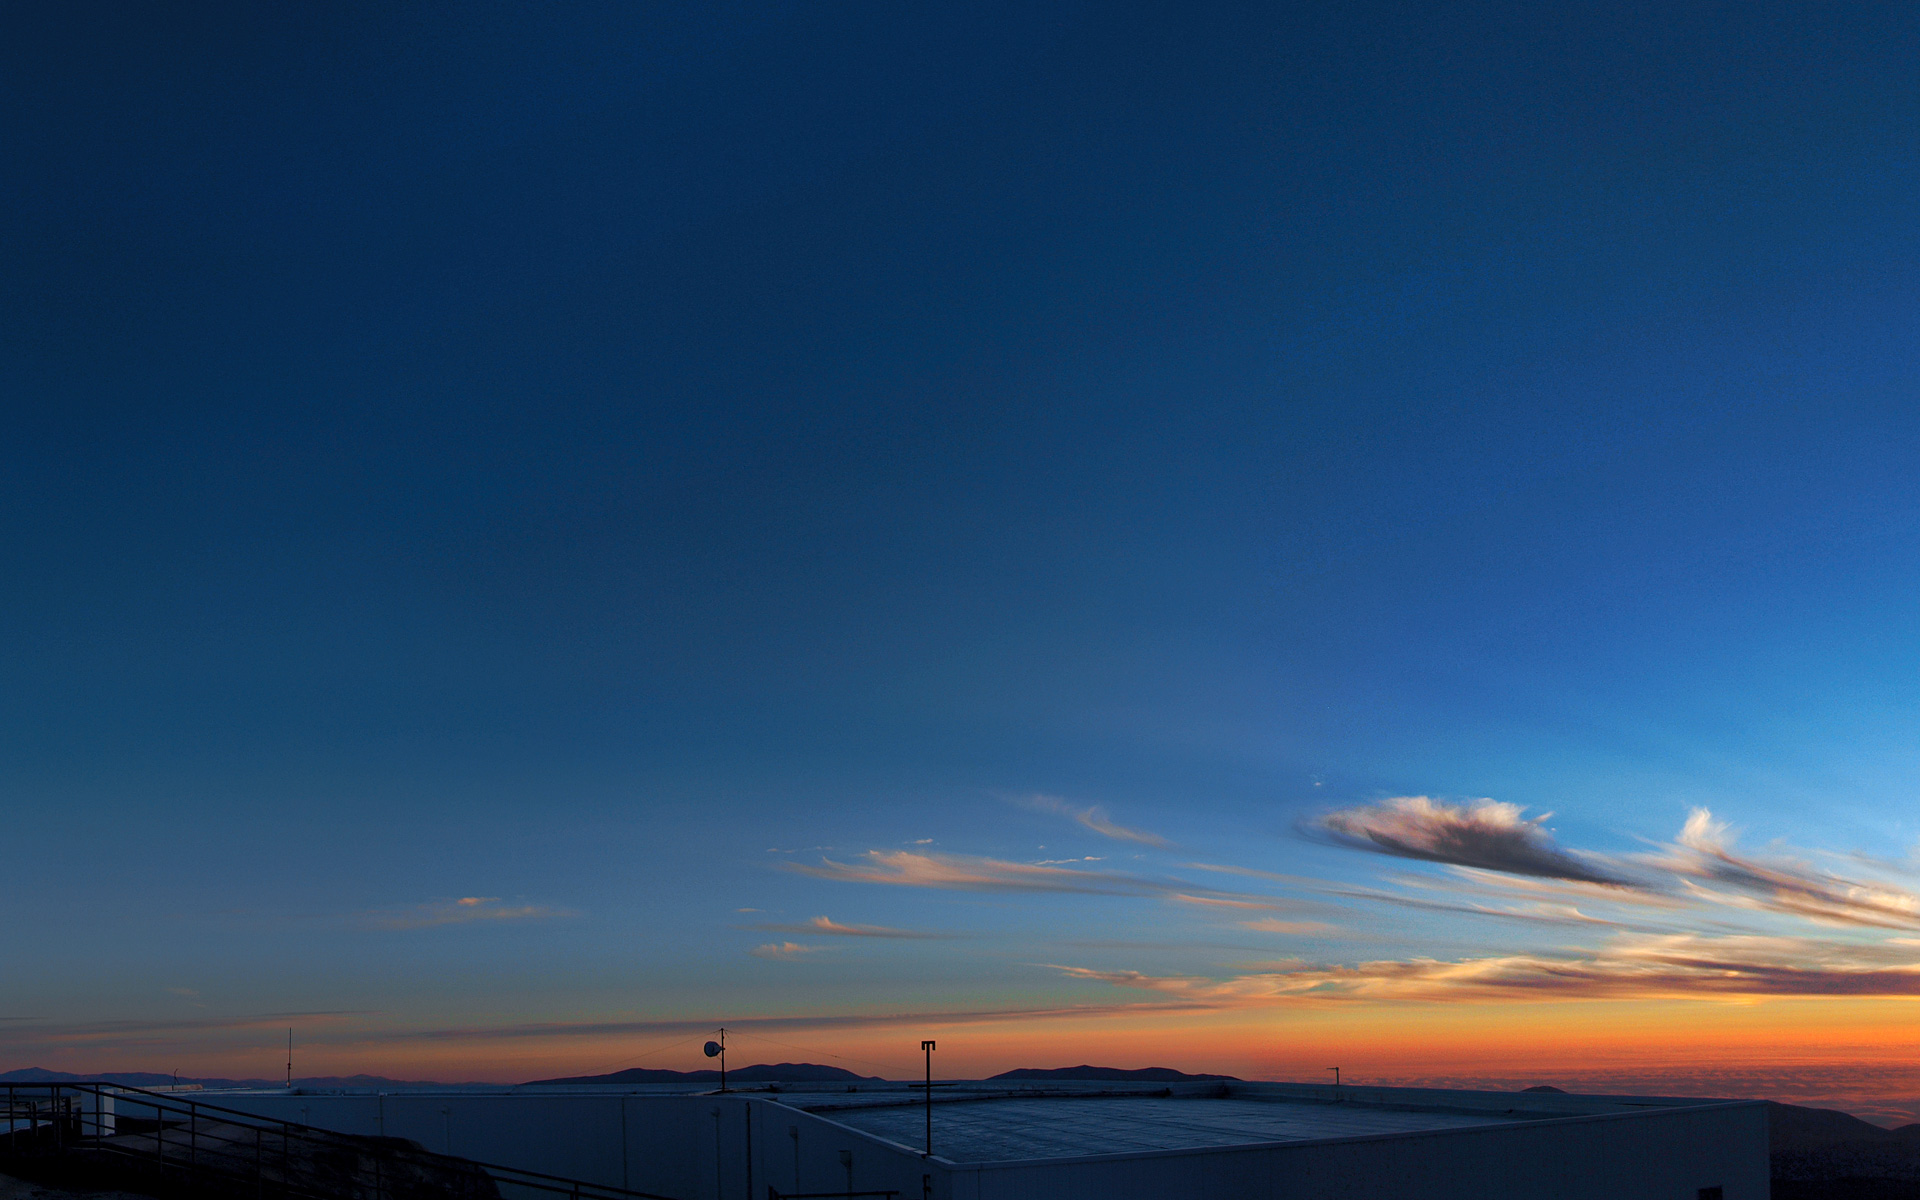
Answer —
(557, 454)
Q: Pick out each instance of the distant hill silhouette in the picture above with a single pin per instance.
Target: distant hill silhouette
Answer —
(758, 1073)
(1144, 1074)
(1545, 1087)
(761, 1073)
(149, 1079)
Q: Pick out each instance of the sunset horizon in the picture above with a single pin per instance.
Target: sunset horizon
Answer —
(1237, 538)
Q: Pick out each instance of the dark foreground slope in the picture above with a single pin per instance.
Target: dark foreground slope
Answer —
(1819, 1154)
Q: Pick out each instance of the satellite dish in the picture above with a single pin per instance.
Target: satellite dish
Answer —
(712, 1049)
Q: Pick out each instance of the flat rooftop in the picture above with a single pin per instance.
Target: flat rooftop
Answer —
(1061, 1127)
(999, 1121)
(976, 1123)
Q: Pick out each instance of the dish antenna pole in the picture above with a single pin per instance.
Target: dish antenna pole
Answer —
(927, 1048)
(719, 1049)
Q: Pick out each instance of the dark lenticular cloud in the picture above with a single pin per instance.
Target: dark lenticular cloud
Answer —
(1487, 835)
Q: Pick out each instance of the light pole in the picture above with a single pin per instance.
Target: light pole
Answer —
(927, 1048)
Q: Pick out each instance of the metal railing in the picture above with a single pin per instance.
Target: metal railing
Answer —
(190, 1145)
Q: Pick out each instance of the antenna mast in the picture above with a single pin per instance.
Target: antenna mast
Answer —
(289, 1056)
(719, 1049)
(926, 1048)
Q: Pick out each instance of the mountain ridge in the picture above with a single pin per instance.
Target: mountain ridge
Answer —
(1113, 1074)
(758, 1073)
(151, 1079)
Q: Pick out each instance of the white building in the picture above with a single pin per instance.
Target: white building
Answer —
(1062, 1140)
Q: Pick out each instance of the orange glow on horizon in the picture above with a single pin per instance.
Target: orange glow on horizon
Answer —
(1377, 1042)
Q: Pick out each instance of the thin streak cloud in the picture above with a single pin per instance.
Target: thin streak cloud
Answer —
(1677, 966)
(463, 911)
(1095, 818)
(1704, 852)
(831, 927)
(907, 868)
(1537, 912)
(561, 1030)
(1224, 902)
(785, 951)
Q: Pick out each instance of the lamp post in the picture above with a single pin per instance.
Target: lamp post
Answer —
(927, 1048)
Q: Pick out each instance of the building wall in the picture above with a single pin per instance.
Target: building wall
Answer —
(684, 1147)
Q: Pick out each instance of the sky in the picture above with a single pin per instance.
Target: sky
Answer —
(1241, 537)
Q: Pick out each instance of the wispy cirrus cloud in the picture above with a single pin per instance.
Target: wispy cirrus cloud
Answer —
(1704, 852)
(915, 1020)
(1675, 966)
(462, 911)
(1229, 902)
(786, 951)
(827, 925)
(1252, 873)
(1095, 818)
(1489, 899)
(1487, 834)
(966, 872)
(32, 1034)
(1275, 925)
(1507, 867)
(1299, 912)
